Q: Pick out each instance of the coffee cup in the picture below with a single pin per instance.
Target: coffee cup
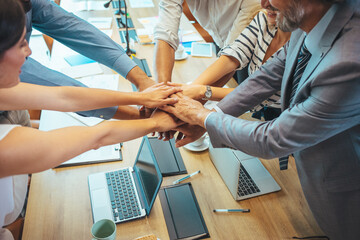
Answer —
(199, 142)
(104, 229)
(180, 52)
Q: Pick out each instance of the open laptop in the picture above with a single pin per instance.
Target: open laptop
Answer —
(127, 193)
(244, 175)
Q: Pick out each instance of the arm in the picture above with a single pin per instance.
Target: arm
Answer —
(67, 99)
(73, 141)
(84, 38)
(166, 38)
(319, 117)
(220, 68)
(235, 56)
(197, 92)
(164, 61)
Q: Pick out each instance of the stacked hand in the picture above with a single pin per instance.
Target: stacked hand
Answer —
(158, 95)
(193, 91)
(187, 109)
(184, 114)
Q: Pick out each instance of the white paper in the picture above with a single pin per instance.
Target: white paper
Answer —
(105, 81)
(191, 36)
(108, 32)
(82, 70)
(35, 32)
(51, 120)
(110, 152)
(71, 6)
(88, 121)
(149, 22)
(101, 22)
(95, 5)
(141, 3)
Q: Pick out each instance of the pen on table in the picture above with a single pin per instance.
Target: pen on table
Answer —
(231, 210)
(186, 177)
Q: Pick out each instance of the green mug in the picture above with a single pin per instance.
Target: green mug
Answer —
(104, 229)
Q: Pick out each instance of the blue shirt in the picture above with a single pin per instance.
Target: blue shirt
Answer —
(79, 35)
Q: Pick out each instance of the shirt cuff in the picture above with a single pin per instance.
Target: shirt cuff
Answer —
(207, 118)
(217, 109)
(123, 65)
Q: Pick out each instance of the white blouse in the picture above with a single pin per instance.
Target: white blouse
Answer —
(12, 193)
(250, 48)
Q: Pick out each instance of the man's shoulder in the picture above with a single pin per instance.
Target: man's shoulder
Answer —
(347, 44)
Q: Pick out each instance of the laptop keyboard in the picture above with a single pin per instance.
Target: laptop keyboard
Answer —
(122, 195)
(246, 185)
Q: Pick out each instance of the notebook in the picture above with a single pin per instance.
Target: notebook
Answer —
(182, 213)
(128, 193)
(244, 175)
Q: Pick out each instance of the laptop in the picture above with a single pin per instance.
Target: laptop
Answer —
(127, 193)
(244, 175)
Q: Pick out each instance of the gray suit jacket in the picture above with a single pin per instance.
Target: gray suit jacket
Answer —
(321, 126)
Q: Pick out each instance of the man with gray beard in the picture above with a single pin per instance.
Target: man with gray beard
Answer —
(318, 73)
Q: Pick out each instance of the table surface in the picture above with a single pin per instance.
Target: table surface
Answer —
(59, 204)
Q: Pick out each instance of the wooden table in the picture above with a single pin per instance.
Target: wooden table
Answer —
(59, 204)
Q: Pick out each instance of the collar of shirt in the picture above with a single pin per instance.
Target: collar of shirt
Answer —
(312, 40)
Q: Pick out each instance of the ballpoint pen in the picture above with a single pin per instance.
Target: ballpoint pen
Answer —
(231, 210)
(186, 177)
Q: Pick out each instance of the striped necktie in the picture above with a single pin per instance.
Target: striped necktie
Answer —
(302, 61)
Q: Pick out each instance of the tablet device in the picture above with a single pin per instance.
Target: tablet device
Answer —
(200, 49)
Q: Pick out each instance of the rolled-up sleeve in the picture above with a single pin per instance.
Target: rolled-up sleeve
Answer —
(169, 21)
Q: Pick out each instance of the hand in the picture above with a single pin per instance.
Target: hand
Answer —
(194, 91)
(188, 133)
(158, 95)
(188, 110)
(165, 121)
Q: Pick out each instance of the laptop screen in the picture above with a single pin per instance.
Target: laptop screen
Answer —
(148, 172)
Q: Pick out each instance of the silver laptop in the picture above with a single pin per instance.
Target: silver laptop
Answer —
(244, 175)
(128, 193)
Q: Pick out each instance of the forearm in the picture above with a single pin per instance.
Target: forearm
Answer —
(220, 68)
(219, 93)
(127, 113)
(139, 78)
(63, 144)
(164, 61)
(30, 96)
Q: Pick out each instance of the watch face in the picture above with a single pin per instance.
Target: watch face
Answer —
(207, 94)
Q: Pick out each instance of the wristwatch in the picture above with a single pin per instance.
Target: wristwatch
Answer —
(208, 93)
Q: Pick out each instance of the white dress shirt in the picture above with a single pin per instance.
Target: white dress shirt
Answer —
(222, 19)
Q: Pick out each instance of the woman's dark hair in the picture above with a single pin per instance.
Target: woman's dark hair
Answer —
(12, 23)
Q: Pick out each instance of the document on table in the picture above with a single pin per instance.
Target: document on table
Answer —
(82, 70)
(106, 81)
(51, 120)
(141, 3)
(71, 6)
(100, 22)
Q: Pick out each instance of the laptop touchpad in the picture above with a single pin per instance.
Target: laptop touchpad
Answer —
(101, 204)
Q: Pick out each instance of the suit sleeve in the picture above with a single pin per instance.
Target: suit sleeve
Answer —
(258, 87)
(79, 35)
(332, 107)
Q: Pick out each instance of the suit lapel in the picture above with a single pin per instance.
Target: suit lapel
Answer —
(341, 17)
